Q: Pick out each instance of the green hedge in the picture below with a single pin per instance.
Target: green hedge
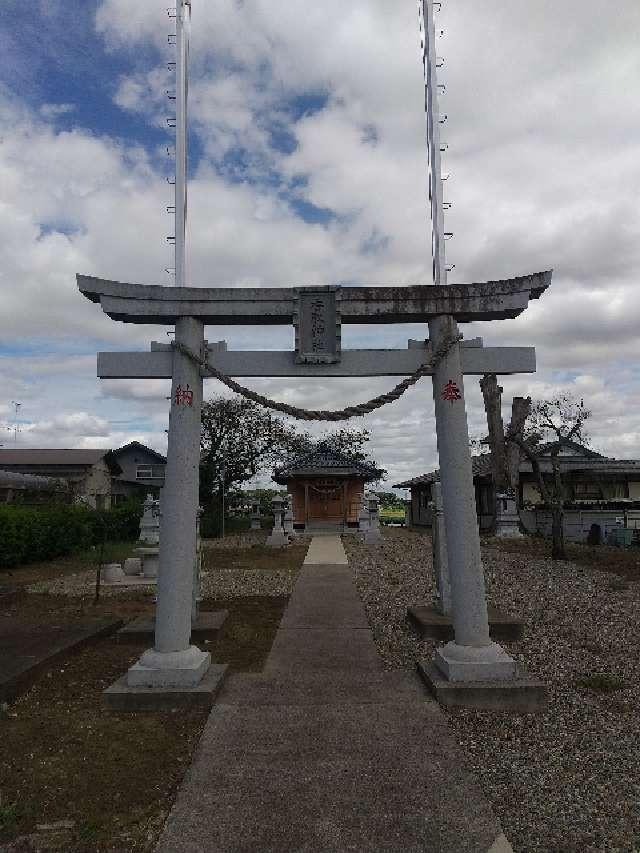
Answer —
(30, 534)
(121, 524)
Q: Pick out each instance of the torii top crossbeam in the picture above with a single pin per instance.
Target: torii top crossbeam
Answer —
(138, 303)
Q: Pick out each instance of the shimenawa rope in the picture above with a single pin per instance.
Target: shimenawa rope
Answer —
(319, 414)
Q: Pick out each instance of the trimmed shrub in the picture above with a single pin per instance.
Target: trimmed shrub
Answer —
(31, 534)
(42, 533)
(120, 524)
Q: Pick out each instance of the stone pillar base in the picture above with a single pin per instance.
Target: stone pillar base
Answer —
(432, 622)
(508, 525)
(150, 558)
(372, 536)
(474, 663)
(277, 540)
(521, 694)
(169, 669)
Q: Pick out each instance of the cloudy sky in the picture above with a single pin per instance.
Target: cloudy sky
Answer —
(308, 166)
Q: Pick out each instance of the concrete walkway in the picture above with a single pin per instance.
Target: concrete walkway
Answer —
(324, 751)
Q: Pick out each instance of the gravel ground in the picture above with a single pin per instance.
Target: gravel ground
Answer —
(83, 584)
(225, 583)
(566, 780)
(220, 583)
(229, 583)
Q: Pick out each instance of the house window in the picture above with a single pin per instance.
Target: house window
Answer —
(587, 491)
(150, 472)
(614, 491)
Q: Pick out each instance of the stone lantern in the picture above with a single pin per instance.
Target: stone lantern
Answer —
(255, 516)
(372, 536)
(277, 539)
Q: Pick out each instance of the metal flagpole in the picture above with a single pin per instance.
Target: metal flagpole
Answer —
(183, 32)
(432, 110)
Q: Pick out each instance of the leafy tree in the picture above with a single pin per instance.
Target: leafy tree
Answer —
(550, 426)
(389, 500)
(343, 442)
(238, 440)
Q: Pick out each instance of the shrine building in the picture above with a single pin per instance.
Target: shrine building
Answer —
(326, 488)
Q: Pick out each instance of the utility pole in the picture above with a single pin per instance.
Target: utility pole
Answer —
(16, 426)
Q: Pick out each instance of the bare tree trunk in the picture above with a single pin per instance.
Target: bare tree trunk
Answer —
(557, 531)
(520, 411)
(492, 394)
(557, 511)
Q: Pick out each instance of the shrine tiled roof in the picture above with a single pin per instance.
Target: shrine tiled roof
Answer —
(320, 461)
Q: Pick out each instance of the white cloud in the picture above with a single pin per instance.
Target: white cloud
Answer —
(543, 135)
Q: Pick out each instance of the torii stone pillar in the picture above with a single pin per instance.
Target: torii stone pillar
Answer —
(473, 655)
(174, 661)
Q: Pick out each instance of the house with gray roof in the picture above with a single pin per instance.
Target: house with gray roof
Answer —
(599, 490)
(100, 477)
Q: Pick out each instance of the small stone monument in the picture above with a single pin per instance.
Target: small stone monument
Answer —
(150, 522)
(363, 518)
(149, 539)
(507, 516)
(112, 573)
(372, 535)
(288, 518)
(277, 539)
(132, 566)
(442, 598)
(255, 516)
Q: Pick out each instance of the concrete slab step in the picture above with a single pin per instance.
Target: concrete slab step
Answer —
(27, 651)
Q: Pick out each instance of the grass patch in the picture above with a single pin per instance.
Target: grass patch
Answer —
(601, 682)
(8, 817)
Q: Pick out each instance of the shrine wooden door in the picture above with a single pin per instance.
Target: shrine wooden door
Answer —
(326, 501)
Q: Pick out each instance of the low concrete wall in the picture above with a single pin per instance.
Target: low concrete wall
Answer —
(577, 523)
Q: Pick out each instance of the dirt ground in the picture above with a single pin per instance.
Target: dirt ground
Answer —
(76, 777)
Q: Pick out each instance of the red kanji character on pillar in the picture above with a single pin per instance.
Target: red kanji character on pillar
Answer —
(451, 392)
(184, 396)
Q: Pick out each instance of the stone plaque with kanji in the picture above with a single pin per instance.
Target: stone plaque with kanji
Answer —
(317, 325)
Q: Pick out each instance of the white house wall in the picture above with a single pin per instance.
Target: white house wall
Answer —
(634, 491)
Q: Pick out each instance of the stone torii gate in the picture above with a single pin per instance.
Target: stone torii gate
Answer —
(318, 314)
